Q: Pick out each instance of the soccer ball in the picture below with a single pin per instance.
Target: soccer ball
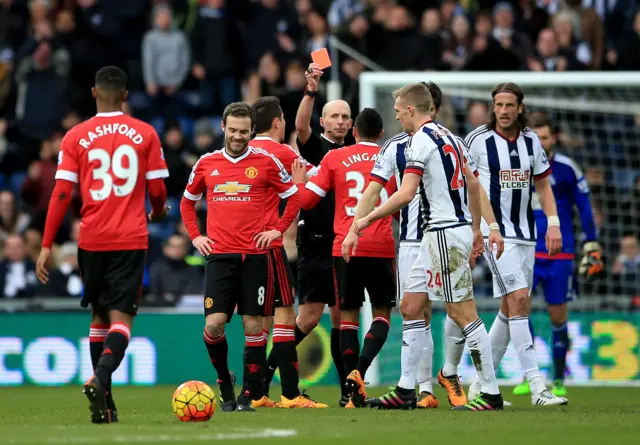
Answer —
(194, 401)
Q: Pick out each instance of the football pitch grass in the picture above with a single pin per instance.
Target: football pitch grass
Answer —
(33, 415)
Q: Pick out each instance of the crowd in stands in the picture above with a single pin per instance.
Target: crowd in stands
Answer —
(187, 59)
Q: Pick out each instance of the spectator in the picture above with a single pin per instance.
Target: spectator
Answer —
(503, 31)
(13, 24)
(563, 28)
(295, 83)
(433, 43)
(12, 220)
(588, 28)
(171, 277)
(217, 54)
(268, 81)
(32, 243)
(203, 142)
(41, 77)
(395, 33)
(37, 189)
(476, 115)
(458, 48)
(17, 272)
(65, 280)
(266, 21)
(627, 265)
(548, 55)
(627, 56)
(165, 55)
(318, 32)
(342, 11)
(534, 18)
(176, 149)
(483, 24)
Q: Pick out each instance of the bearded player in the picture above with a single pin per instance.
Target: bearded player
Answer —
(556, 273)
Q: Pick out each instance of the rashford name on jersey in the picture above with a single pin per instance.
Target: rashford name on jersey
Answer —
(111, 129)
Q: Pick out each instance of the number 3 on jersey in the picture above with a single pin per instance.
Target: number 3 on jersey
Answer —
(356, 191)
(457, 180)
(117, 166)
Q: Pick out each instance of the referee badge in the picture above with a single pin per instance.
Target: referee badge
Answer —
(208, 303)
(251, 172)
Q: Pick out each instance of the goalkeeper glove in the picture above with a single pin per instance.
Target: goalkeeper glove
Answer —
(591, 265)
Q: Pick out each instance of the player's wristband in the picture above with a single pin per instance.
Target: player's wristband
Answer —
(494, 226)
(309, 93)
(553, 221)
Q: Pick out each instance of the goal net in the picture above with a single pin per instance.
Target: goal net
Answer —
(597, 117)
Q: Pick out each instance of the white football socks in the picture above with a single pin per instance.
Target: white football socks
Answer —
(500, 336)
(413, 342)
(453, 347)
(480, 350)
(425, 366)
(523, 344)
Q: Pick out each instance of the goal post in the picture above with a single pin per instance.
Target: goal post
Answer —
(597, 117)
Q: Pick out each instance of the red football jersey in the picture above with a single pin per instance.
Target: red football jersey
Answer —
(346, 171)
(238, 190)
(112, 155)
(286, 155)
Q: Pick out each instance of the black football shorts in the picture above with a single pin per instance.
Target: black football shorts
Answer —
(375, 275)
(241, 280)
(112, 279)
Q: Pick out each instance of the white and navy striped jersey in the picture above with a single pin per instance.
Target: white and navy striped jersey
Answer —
(434, 153)
(392, 162)
(506, 171)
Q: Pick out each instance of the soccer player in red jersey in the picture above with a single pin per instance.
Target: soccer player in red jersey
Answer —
(114, 158)
(269, 128)
(373, 266)
(239, 181)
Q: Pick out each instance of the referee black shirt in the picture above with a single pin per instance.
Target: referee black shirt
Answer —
(317, 224)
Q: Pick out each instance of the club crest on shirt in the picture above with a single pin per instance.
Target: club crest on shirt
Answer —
(251, 172)
(208, 303)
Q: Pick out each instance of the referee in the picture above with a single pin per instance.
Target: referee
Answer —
(315, 229)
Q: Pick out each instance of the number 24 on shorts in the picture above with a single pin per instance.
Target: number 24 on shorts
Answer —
(437, 281)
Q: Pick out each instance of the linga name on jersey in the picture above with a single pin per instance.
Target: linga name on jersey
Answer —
(515, 179)
(359, 157)
(108, 129)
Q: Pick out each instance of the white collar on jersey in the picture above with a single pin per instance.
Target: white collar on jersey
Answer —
(263, 138)
(237, 159)
(370, 144)
(110, 114)
(333, 142)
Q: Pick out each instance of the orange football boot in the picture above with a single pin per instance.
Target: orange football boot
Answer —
(454, 389)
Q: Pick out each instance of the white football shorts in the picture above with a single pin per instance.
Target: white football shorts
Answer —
(407, 256)
(442, 267)
(513, 270)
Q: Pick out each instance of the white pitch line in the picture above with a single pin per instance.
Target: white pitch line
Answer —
(247, 434)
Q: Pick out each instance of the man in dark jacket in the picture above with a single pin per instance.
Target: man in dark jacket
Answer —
(171, 277)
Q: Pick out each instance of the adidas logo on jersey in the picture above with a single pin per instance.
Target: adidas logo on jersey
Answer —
(215, 173)
(513, 153)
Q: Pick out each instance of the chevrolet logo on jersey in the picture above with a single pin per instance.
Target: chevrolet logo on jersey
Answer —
(515, 179)
(231, 188)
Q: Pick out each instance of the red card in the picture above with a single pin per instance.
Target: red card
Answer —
(321, 57)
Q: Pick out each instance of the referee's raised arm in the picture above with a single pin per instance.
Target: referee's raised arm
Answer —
(305, 110)
(335, 122)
